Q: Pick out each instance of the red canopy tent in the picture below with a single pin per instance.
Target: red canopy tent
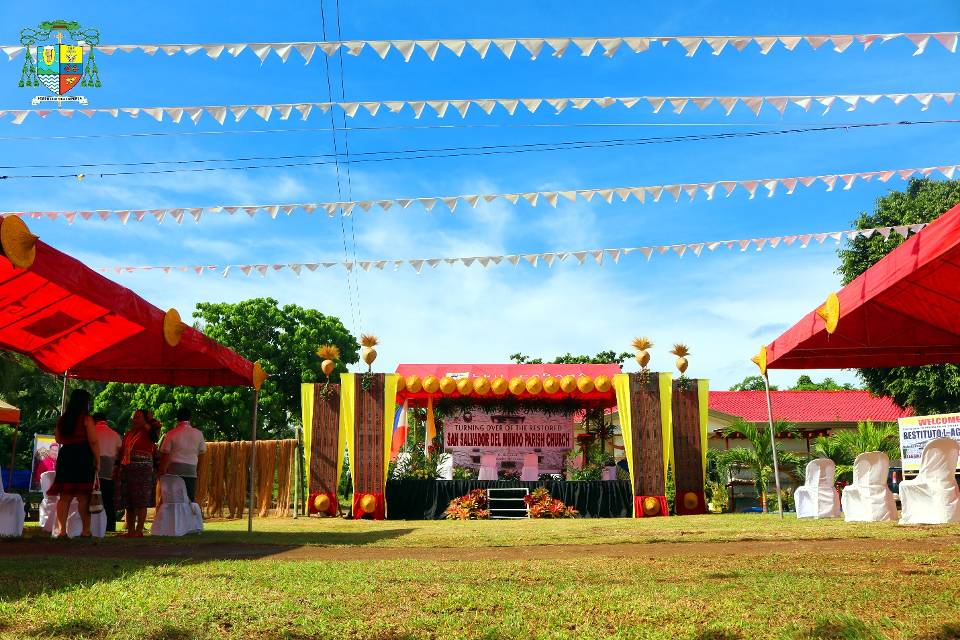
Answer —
(902, 311)
(74, 322)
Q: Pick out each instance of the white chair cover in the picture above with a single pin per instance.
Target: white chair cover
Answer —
(176, 515)
(48, 506)
(818, 498)
(445, 467)
(98, 523)
(11, 513)
(488, 467)
(531, 467)
(869, 499)
(933, 497)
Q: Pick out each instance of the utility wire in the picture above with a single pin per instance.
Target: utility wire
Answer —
(454, 152)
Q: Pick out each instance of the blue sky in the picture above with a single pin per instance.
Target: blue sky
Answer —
(724, 306)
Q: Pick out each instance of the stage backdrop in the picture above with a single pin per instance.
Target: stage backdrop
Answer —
(690, 408)
(510, 436)
(321, 440)
(644, 406)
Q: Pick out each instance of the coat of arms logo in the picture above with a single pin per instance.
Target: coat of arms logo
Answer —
(60, 66)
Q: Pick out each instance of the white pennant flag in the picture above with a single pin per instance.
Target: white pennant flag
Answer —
(481, 46)
(690, 44)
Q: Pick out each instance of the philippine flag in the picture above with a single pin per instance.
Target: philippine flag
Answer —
(399, 431)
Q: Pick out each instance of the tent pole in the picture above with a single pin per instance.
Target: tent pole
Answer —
(253, 459)
(13, 455)
(296, 473)
(63, 397)
(773, 444)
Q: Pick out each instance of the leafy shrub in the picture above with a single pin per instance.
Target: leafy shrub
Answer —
(473, 506)
(542, 505)
(509, 474)
(464, 473)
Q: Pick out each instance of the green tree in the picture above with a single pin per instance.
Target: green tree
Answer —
(929, 389)
(806, 383)
(604, 357)
(283, 339)
(758, 457)
(751, 383)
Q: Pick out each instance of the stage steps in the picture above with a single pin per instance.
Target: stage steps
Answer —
(508, 503)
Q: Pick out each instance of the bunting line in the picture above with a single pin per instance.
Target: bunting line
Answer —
(533, 259)
(676, 104)
(639, 194)
(555, 46)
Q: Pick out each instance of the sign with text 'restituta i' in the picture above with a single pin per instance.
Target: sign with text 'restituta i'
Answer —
(917, 431)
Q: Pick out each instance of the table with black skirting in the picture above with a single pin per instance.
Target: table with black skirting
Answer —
(411, 499)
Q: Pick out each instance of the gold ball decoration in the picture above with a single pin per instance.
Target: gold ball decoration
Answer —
(643, 359)
(173, 327)
(327, 366)
(651, 506)
(447, 385)
(431, 384)
(481, 386)
(369, 355)
(533, 385)
(413, 384)
(517, 386)
(499, 386)
(321, 503)
(568, 384)
(464, 386)
(19, 245)
(551, 384)
(584, 384)
(368, 503)
(401, 384)
(691, 500)
(682, 365)
(602, 384)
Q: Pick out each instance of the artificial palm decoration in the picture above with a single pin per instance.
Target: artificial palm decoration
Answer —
(844, 445)
(642, 345)
(758, 457)
(369, 341)
(329, 353)
(681, 351)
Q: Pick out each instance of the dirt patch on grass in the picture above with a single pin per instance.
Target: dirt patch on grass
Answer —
(195, 549)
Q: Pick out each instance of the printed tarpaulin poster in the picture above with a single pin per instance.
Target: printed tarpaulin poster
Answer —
(917, 431)
(45, 451)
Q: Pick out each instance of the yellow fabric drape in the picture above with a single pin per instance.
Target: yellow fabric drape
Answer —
(621, 385)
(306, 412)
(431, 425)
(666, 418)
(389, 409)
(703, 395)
(345, 438)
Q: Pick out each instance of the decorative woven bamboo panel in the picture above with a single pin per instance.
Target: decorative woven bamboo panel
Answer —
(649, 476)
(368, 435)
(687, 447)
(323, 440)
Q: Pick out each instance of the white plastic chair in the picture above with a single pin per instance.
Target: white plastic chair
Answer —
(531, 468)
(488, 467)
(869, 499)
(48, 506)
(933, 497)
(445, 467)
(818, 498)
(176, 515)
(11, 513)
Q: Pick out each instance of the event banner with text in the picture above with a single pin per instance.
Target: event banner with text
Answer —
(509, 436)
(917, 431)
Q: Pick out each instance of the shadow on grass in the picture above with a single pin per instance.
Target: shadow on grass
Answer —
(718, 634)
(841, 628)
(949, 631)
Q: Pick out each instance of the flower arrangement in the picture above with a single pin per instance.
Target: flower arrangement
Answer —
(542, 505)
(509, 474)
(473, 506)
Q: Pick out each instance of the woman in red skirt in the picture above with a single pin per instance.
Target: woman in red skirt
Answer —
(77, 462)
(136, 486)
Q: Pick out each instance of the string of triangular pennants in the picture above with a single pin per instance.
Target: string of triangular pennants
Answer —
(579, 258)
(556, 47)
(676, 104)
(640, 194)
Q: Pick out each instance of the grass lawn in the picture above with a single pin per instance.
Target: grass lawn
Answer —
(721, 577)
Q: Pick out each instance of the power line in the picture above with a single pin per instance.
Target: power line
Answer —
(452, 152)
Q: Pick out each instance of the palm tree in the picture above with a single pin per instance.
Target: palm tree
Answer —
(758, 457)
(843, 446)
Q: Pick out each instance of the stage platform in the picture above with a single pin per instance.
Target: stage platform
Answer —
(428, 499)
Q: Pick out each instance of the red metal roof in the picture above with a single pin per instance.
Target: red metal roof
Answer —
(808, 406)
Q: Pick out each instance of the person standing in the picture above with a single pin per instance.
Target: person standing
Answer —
(109, 441)
(136, 486)
(180, 451)
(77, 462)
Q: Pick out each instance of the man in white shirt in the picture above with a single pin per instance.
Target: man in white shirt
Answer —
(181, 449)
(109, 449)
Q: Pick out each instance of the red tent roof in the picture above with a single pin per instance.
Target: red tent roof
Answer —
(509, 371)
(808, 406)
(902, 311)
(70, 319)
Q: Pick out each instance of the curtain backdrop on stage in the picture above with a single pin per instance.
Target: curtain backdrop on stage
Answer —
(411, 499)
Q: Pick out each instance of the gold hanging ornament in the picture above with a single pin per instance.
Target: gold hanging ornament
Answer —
(643, 356)
(681, 351)
(369, 341)
(329, 353)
